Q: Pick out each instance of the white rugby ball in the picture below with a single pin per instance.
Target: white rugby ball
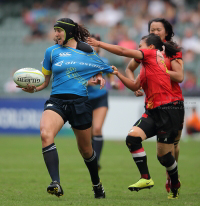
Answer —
(31, 76)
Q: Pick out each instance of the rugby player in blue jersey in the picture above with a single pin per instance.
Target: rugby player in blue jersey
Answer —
(72, 63)
(99, 101)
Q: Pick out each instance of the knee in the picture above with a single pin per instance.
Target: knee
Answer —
(176, 146)
(166, 160)
(86, 152)
(45, 135)
(133, 143)
(97, 130)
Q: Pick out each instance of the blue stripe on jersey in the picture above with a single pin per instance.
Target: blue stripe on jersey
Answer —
(71, 69)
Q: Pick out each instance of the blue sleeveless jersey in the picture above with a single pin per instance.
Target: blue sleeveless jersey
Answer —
(95, 91)
(71, 69)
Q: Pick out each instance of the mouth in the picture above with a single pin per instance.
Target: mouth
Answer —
(59, 40)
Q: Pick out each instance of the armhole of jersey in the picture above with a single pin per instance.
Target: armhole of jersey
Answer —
(136, 60)
(175, 59)
(142, 55)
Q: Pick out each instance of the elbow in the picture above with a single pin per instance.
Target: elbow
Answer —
(181, 78)
(180, 81)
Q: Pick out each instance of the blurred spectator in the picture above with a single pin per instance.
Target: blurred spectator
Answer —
(156, 8)
(108, 15)
(117, 33)
(193, 123)
(190, 61)
(35, 19)
(190, 81)
(190, 41)
(70, 10)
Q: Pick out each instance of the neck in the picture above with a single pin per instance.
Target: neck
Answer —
(71, 43)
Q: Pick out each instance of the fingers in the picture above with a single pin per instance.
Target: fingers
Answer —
(115, 70)
(92, 41)
(138, 93)
(29, 89)
(102, 83)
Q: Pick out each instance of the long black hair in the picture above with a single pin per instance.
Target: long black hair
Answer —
(81, 33)
(168, 27)
(170, 48)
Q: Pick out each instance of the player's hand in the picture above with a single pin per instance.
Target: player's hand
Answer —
(139, 92)
(98, 79)
(115, 70)
(92, 42)
(29, 89)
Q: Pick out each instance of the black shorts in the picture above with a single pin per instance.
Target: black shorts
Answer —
(78, 111)
(163, 121)
(98, 102)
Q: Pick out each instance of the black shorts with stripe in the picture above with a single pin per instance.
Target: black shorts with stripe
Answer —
(77, 111)
(164, 121)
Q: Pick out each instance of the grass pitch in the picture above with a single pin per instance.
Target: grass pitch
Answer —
(24, 177)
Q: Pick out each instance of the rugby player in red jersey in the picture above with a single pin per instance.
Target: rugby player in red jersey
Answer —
(162, 28)
(161, 117)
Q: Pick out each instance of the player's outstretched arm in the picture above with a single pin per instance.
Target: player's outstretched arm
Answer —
(118, 50)
(133, 85)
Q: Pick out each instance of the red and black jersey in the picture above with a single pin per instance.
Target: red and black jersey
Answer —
(154, 79)
(175, 85)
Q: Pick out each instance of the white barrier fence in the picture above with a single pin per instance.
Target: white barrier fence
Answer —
(125, 111)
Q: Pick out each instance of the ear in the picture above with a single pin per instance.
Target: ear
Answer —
(151, 46)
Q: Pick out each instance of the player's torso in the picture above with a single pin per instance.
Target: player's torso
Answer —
(155, 80)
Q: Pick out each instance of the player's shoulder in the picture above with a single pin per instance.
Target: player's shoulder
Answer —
(56, 46)
(83, 46)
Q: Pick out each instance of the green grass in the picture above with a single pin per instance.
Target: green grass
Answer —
(24, 177)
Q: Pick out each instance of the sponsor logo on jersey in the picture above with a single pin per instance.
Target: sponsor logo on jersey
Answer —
(59, 63)
(65, 54)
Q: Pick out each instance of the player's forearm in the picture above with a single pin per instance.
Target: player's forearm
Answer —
(131, 84)
(121, 51)
(130, 74)
(41, 87)
(45, 84)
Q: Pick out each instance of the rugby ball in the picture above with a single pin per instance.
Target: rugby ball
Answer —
(31, 76)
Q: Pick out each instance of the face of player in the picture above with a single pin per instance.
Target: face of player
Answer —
(143, 45)
(158, 29)
(59, 36)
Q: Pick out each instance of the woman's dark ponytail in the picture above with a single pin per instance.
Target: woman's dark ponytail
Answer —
(81, 33)
(171, 48)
